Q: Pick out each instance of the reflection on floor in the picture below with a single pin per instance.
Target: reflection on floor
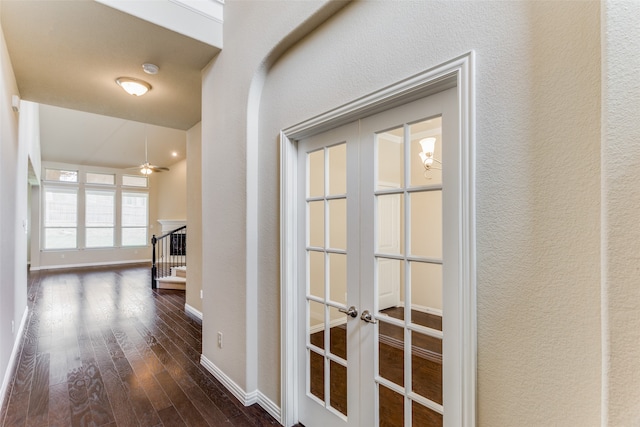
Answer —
(103, 349)
(426, 366)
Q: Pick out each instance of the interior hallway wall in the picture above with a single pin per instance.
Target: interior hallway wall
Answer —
(172, 192)
(13, 193)
(194, 216)
(621, 199)
(538, 78)
(538, 205)
(537, 179)
(229, 265)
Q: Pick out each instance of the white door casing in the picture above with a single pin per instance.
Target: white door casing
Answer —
(456, 73)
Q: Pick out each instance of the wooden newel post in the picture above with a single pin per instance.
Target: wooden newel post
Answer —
(153, 262)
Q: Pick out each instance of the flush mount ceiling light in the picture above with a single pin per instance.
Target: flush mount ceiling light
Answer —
(133, 86)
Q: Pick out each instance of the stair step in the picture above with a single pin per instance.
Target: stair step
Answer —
(171, 282)
(179, 271)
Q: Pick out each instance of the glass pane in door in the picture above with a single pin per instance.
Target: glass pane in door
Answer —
(338, 386)
(338, 278)
(390, 230)
(391, 408)
(426, 223)
(426, 366)
(337, 170)
(316, 269)
(337, 223)
(427, 169)
(390, 274)
(316, 224)
(315, 175)
(408, 251)
(390, 151)
(423, 416)
(326, 267)
(426, 294)
(391, 353)
(338, 334)
(316, 324)
(316, 375)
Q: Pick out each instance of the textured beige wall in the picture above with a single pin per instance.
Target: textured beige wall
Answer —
(537, 186)
(538, 204)
(171, 189)
(13, 210)
(255, 33)
(194, 216)
(621, 199)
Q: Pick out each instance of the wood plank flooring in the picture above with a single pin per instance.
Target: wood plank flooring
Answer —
(101, 348)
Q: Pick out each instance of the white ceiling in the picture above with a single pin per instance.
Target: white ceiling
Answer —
(69, 53)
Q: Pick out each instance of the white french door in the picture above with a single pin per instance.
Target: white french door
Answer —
(378, 269)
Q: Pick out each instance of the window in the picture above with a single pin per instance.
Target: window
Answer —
(101, 178)
(135, 218)
(60, 175)
(100, 208)
(134, 181)
(60, 218)
(84, 209)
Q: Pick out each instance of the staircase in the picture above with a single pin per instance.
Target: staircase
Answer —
(176, 280)
(169, 260)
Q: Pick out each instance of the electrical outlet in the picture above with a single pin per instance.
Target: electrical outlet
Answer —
(200, 293)
(219, 339)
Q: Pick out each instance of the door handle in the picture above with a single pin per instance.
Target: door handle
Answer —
(368, 317)
(351, 311)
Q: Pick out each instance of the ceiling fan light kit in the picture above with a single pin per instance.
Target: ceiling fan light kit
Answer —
(147, 168)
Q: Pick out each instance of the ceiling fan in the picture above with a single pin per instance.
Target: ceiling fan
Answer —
(147, 168)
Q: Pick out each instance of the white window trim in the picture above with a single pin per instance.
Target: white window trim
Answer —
(132, 190)
(105, 189)
(458, 72)
(67, 187)
(81, 187)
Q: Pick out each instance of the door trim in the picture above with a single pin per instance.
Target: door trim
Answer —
(458, 72)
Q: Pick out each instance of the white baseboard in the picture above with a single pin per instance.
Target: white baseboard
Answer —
(247, 399)
(192, 311)
(229, 384)
(89, 264)
(269, 406)
(14, 356)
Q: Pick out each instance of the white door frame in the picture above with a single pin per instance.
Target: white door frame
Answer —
(458, 72)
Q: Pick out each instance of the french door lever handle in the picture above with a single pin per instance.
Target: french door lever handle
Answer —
(351, 311)
(368, 317)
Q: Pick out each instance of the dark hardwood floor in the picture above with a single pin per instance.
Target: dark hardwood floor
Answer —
(101, 348)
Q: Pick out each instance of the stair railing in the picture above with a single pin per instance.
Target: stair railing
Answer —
(169, 251)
